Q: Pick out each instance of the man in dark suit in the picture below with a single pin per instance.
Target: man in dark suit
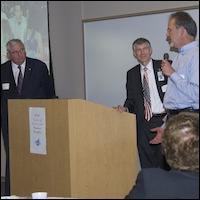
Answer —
(150, 155)
(37, 84)
(180, 144)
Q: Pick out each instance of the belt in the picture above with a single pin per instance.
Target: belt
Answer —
(175, 112)
(159, 115)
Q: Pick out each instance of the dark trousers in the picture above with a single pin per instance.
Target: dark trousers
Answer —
(176, 112)
(4, 126)
(7, 177)
(150, 155)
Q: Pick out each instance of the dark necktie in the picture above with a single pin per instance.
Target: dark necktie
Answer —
(19, 80)
(147, 97)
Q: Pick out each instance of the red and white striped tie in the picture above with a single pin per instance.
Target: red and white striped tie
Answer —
(147, 98)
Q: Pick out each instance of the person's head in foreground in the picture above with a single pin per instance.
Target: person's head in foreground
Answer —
(180, 142)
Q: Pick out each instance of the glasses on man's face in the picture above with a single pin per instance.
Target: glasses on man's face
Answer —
(15, 53)
(169, 30)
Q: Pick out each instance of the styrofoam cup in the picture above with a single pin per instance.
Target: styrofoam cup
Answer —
(39, 195)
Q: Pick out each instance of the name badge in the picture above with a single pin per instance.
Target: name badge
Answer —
(5, 86)
(160, 76)
(164, 88)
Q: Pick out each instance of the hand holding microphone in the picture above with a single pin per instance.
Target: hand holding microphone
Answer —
(166, 67)
(166, 56)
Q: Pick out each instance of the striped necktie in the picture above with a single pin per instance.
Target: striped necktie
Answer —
(147, 97)
(19, 80)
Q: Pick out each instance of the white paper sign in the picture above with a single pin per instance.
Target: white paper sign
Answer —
(37, 122)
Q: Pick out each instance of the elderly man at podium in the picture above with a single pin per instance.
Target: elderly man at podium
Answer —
(21, 78)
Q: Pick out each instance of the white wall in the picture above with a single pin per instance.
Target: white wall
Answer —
(65, 23)
(108, 52)
(108, 9)
(66, 35)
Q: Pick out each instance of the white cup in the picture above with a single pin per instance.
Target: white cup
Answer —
(39, 195)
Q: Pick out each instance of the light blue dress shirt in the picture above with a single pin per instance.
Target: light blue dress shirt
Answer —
(183, 85)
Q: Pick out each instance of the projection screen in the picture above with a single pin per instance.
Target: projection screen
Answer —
(28, 21)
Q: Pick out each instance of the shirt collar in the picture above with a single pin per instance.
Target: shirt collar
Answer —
(149, 66)
(14, 65)
(183, 50)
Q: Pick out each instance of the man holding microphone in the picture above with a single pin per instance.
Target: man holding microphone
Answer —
(182, 92)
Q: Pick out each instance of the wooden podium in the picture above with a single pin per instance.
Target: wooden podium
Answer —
(91, 150)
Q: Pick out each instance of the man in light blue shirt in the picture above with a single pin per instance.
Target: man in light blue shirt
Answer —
(183, 83)
(182, 92)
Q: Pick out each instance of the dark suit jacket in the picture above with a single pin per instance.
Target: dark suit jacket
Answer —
(150, 155)
(135, 101)
(155, 183)
(37, 84)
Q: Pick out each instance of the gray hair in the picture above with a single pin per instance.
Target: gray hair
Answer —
(12, 42)
(140, 41)
(184, 19)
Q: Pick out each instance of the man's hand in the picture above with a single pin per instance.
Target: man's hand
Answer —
(166, 67)
(121, 108)
(157, 139)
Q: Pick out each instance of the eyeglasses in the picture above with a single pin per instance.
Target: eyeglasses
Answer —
(171, 29)
(18, 52)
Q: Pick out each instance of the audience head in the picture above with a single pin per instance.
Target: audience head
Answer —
(180, 142)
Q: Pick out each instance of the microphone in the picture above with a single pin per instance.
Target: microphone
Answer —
(166, 56)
